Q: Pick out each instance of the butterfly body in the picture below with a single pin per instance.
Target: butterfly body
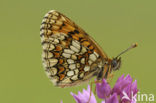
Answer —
(70, 56)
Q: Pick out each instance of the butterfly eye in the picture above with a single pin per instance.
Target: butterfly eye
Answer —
(114, 63)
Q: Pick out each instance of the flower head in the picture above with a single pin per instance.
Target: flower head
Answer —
(112, 99)
(124, 91)
(84, 96)
(103, 89)
(125, 88)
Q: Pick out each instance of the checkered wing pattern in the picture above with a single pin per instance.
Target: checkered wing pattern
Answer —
(70, 56)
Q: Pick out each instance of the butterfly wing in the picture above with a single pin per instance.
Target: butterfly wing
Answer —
(70, 56)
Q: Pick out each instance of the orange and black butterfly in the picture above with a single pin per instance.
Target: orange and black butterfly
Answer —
(70, 56)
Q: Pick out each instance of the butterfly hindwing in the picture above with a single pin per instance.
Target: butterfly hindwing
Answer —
(70, 56)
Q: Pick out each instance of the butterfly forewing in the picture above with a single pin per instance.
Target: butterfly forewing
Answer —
(70, 56)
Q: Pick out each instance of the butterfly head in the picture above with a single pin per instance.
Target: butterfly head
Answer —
(115, 64)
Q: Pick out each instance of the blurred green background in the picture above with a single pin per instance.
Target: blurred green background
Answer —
(114, 24)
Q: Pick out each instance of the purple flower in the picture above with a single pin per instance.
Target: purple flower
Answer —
(122, 83)
(103, 89)
(124, 88)
(124, 91)
(112, 99)
(84, 96)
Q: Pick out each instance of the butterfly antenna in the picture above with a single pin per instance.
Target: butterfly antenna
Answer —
(131, 47)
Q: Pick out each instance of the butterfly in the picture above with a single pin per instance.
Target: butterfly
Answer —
(70, 56)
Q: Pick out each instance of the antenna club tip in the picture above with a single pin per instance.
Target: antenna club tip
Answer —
(135, 45)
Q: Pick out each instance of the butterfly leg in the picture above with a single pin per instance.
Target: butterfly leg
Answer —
(91, 85)
(110, 75)
(110, 78)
